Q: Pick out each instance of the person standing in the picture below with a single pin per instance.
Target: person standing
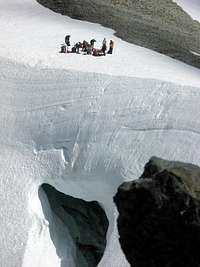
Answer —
(67, 40)
(104, 46)
(92, 43)
(111, 46)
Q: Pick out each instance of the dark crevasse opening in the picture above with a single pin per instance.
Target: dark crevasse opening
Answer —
(85, 222)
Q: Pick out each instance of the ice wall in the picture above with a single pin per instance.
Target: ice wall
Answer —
(84, 133)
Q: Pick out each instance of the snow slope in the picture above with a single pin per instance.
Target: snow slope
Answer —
(32, 34)
(82, 124)
(192, 7)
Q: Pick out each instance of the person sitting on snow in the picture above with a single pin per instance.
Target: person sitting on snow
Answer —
(89, 49)
(97, 52)
(78, 46)
(63, 49)
(84, 46)
(73, 49)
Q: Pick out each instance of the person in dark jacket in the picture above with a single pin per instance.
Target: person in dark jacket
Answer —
(84, 46)
(73, 49)
(111, 46)
(67, 40)
(92, 42)
(104, 46)
(89, 49)
(63, 49)
(78, 46)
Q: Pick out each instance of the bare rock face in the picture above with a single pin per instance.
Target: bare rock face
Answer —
(160, 25)
(159, 216)
(86, 222)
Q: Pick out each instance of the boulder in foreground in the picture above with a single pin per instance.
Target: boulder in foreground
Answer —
(159, 216)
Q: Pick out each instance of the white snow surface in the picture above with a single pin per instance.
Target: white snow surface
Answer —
(82, 124)
(192, 7)
(32, 34)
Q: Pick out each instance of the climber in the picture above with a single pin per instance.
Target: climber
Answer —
(63, 48)
(89, 49)
(73, 49)
(78, 46)
(84, 46)
(92, 42)
(104, 46)
(111, 46)
(67, 41)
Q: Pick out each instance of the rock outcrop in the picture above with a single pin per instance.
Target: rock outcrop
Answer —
(86, 222)
(160, 25)
(159, 216)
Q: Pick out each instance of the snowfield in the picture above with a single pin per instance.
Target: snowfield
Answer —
(82, 124)
(32, 34)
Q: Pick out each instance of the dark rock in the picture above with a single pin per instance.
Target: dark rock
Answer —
(160, 25)
(159, 216)
(86, 222)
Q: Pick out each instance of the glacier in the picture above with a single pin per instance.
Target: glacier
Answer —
(81, 124)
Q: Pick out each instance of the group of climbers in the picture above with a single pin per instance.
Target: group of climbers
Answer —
(87, 48)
